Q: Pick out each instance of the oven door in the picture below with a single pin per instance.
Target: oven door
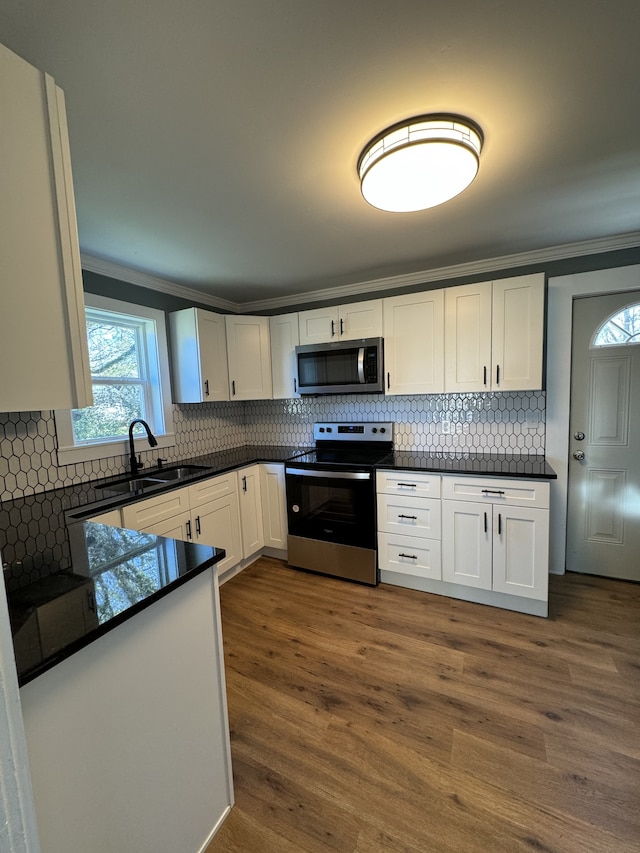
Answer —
(331, 506)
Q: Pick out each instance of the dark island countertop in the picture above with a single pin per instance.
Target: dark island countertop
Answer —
(69, 581)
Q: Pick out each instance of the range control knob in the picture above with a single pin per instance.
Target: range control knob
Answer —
(329, 429)
(382, 429)
(375, 429)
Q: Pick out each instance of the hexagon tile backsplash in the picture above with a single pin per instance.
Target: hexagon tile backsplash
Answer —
(491, 423)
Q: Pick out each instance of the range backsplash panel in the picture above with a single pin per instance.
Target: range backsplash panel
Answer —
(493, 423)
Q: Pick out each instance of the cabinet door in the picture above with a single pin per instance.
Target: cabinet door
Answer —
(319, 325)
(177, 527)
(467, 338)
(143, 514)
(44, 360)
(360, 320)
(467, 543)
(518, 333)
(199, 356)
(250, 510)
(521, 551)
(413, 343)
(285, 337)
(274, 505)
(249, 357)
(218, 524)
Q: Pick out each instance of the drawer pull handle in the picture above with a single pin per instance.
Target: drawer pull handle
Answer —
(408, 556)
(408, 485)
(492, 492)
(412, 517)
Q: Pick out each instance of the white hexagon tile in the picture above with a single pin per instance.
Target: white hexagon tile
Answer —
(489, 423)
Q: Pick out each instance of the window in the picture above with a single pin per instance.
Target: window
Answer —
(623, 328)
(129, 374)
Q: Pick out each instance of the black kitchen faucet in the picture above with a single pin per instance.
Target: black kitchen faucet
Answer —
(153, 442)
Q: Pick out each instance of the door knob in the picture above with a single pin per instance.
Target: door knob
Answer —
(579, 436)
(579, 455)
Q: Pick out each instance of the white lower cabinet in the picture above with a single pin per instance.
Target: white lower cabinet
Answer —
(112, 518)
(241, 511)
(274, 505)
(250, 510)
(495, 537)
(408, 523)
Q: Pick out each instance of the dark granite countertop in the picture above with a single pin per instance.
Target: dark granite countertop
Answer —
(70, 581)
(101, 579)
(489, 464)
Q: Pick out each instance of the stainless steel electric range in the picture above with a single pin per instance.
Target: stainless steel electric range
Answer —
(331, 500)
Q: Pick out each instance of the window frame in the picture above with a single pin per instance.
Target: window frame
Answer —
(157, 353)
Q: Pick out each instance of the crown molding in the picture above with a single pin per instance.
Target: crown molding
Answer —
(152, 282)
(472, 268)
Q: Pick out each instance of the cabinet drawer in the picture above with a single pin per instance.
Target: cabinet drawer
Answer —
(212, 489)
(408, 483)
(497, 491)
(410, 555)
(409, 516)
(143, 514)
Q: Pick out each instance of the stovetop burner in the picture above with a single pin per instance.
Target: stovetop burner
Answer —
(361, 445)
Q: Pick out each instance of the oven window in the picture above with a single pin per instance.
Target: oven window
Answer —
(333, 510)
(330, 367)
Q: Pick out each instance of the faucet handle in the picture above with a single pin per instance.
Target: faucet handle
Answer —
(160, 461)
(139, 463)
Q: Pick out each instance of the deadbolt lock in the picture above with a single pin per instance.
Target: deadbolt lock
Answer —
(579, 436)
(579, 455)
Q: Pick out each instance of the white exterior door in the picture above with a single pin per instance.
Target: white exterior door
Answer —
(603, 520)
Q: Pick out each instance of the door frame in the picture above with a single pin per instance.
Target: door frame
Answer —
(562, 291)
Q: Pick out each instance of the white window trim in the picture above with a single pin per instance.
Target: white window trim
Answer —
(68, 453)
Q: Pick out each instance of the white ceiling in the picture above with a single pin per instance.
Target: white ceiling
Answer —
(214, 142)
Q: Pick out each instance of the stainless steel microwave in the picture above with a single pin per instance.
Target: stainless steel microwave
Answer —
(343, 367)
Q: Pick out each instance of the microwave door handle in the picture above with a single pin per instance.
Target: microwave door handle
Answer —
(361, 365)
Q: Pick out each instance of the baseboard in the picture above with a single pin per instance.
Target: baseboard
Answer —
(277, 553)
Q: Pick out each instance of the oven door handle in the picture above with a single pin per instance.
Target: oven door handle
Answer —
(329, 475)
(361, 365)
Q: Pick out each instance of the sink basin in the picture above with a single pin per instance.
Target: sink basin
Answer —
(177, 473)
(157, 478)
(125, 487)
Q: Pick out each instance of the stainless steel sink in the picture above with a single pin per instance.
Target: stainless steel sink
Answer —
(135, 484)
(178, 473)
(157, 478)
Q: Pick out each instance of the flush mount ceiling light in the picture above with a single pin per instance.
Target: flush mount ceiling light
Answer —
(420, 163)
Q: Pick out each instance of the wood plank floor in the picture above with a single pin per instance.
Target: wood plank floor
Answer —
(381, 719)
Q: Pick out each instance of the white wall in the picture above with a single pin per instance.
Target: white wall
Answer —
(562, 291)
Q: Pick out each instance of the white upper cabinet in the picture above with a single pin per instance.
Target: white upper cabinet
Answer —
(414, 343)
(494, 335)
(199, 356)
(517, 333)
(44, 360)
(248, 357)
(284, 336)
(341, 322)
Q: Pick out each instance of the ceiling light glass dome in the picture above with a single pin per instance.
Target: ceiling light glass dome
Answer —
(420, 163)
